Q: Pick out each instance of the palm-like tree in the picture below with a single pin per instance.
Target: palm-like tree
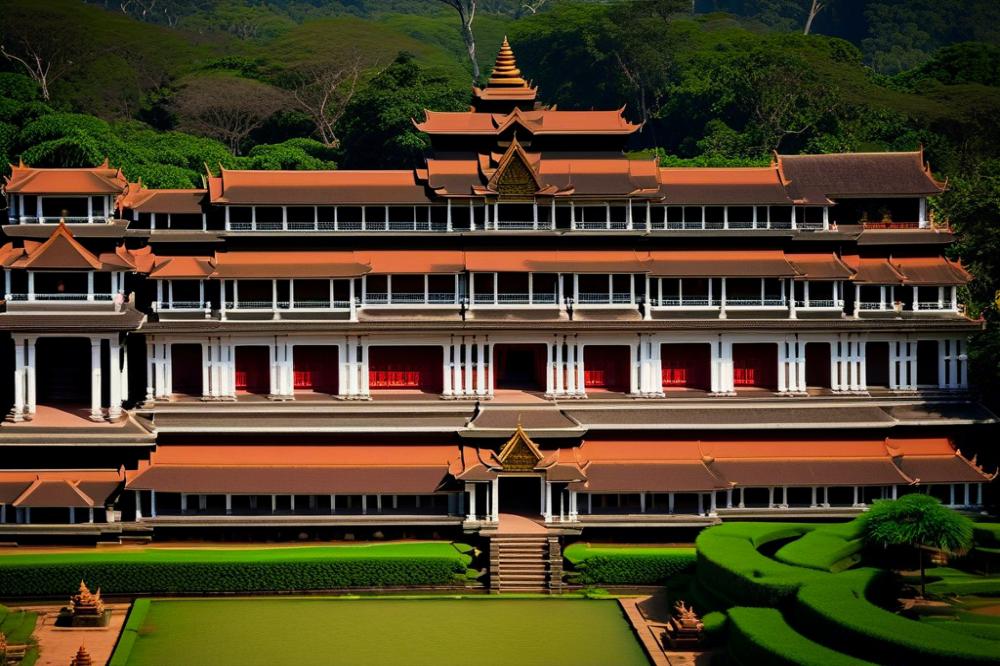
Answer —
(919, 521)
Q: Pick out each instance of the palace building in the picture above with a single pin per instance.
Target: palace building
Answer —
(532, 322)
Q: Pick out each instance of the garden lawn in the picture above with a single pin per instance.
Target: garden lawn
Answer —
(435, 632)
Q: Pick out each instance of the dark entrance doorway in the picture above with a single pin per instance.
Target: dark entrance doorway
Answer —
(520, 367)
(185, 369)
(818, 364)
(521, 495)
(755, 365)
(927, 363)
(686, 365)
(607, 367)
(253, 369)
(877, 364)
(315, 368)
(62, 370)
(415, 368)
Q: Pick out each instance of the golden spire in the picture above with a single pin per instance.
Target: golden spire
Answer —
(505, 72)
(82, 658)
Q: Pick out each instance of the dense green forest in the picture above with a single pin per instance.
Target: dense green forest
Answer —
(165, 87)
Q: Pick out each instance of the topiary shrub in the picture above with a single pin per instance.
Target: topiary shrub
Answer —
(731, 567)
(762, 636)
(715, 627)
(627, 565)
(839, 611)
(831, 548)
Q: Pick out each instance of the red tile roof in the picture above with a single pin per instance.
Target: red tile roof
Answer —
(93, 180)
(316, 188)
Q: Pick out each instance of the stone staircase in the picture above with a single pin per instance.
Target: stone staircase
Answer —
(525, 563)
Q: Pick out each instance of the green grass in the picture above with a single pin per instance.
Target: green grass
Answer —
(392, 631)
(17, 625)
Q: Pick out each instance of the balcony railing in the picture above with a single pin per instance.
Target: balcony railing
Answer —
(603, 225)
(339, 225)
(60, 297)
(605, 298)
(932, 305)
(755, 303)
(516, 299)
(694, 302)
(818, 304)
(56, 219)
(286, 305)
(411, 298)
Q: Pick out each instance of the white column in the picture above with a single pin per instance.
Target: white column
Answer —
(96, 413)
(19, 373)
(547, 513)
(480, 369)
(495, 500)
(471, 489)
(138, 506)
(581, 389)
(29, 377)
(446, 364)
(549, 370)
(114, 380)
(558, 367)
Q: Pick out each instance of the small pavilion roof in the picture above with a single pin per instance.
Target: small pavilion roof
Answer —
(58, 488)
(817, 178)
(177, 201)
(316, 188)
(818, 266)
(557, 261)
(538, 122)
(873, 270)
(102, 179)
(61, 250)
(288, 264)
(930, 271)
(722, 263)
(723, 186)
(321, 469)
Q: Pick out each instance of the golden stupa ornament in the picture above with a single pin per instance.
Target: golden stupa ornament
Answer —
(505, 72)
(82, 658)
(86, 602)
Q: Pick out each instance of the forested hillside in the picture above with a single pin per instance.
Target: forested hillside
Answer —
(165, 87)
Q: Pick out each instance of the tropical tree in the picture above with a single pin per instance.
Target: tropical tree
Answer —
(918, 521)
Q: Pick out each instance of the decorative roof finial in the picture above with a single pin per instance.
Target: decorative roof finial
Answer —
(82, 658)
(505, 72)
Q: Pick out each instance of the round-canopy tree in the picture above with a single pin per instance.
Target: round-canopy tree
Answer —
(919, 521)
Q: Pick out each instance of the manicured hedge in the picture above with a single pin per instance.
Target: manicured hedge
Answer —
(986, 534)
(130, 632)
(731, 567)
(831, 548)
(761, 636)
(157, 571)
(837, 610)
(636, 565)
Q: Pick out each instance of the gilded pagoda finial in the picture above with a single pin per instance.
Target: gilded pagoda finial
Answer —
(86, 603)
(505, 72)
(82, 658)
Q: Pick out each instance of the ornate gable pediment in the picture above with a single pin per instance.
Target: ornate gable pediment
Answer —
(519, 454)
(514, 176)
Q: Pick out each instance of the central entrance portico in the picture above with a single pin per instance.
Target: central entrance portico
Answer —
(520, 367)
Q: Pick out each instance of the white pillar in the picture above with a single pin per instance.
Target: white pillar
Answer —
(495, 500)
(114, 380)
(95, 380)
(547, 513)
(471, 489)
(19, 373)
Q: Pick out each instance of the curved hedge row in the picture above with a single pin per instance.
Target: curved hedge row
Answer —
(130, 632)
(626, 566)
(234, 571)
(837, 610)
(731, 567)
(761, 636)
(831, 548)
